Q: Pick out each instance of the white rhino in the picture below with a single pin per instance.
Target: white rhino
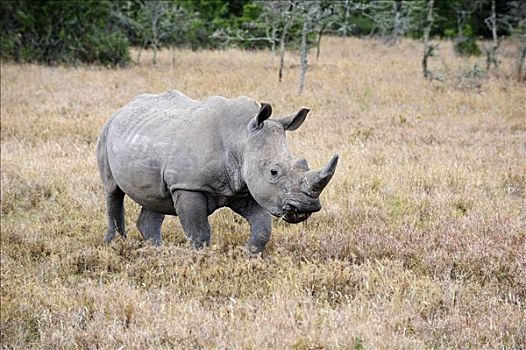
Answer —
(177, 156)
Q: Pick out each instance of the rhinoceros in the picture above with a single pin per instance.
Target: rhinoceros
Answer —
(177, 156)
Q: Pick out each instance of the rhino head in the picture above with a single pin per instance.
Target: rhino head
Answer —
(279, 182)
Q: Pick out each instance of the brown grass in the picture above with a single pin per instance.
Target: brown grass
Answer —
(421, 242)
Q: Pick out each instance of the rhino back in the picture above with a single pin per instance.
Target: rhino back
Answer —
(160, 143)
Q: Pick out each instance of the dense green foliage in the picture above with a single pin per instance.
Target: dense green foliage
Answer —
(61, 32)
(101, 31)
(465, 43)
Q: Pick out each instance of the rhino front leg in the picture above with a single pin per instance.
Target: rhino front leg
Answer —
(192, 209)
(260, 223)
(149, 224)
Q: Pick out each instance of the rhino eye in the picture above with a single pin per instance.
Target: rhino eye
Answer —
(274, 173)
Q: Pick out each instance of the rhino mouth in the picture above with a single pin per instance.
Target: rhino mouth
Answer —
(295, 217)
(294, 211)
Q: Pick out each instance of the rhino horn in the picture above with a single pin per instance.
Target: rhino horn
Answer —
(317, 180)
(301, 164)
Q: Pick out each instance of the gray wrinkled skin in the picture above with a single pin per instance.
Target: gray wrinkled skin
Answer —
(177, 156)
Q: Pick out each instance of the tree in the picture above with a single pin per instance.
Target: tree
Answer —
(275, 21)
(67, 32)
(313, 15)
(398, 29)
(179, 19)
(279, 17)
(129, 18)
(308, 10)
(428, 48)
(322, 20)
(465, 43)
(287, 20)
(515, 21)
(272, 17)
(491, 52)
(155, 14)
(392, 19)
(386, 15)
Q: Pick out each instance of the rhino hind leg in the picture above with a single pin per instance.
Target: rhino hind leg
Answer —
(115, 212)
(114, 194)
(149, 224)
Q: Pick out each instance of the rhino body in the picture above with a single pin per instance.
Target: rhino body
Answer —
(177, 156)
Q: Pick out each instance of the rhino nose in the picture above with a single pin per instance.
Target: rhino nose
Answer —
(289, 207)
(298, 207)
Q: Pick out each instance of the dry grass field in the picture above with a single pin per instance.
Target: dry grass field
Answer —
(421, 242)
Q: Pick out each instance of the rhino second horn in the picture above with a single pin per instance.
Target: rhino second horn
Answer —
(317, 180)
(302, 164)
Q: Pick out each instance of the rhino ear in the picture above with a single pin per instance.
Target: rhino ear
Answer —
(293, 121)
(264, 113)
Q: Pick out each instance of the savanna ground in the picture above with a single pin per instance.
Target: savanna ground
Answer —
(420, 242)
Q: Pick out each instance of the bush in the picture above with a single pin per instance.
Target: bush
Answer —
(466, 44)
(61, 32)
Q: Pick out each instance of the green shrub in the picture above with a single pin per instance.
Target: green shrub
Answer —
(466, 44)
(55, 32)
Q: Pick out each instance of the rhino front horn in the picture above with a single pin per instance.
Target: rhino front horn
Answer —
(317, 180)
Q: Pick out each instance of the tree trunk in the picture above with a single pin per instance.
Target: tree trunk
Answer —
(154, 54)
(282, 47)
(139, 54)
(428, 49)
(273, 44)
(492, 52)
(318, 42)
(494, 22)
(345, 18)
(397, 31)
(155, 36)
(522, 58)
(303, 57)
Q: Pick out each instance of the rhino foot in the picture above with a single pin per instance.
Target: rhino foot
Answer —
(253, 251)
(110, 235)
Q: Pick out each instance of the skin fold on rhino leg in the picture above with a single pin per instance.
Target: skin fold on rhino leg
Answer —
(115, 212)
(192, 209)
(149, 224)
(260, 223)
